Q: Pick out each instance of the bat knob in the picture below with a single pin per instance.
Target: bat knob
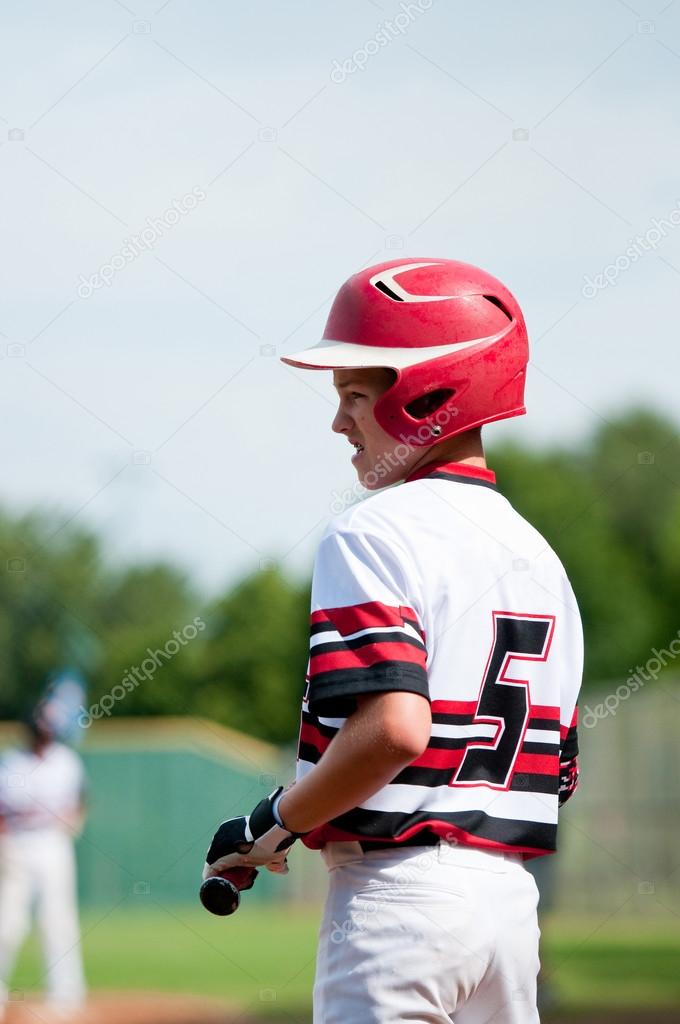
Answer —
(219, 896)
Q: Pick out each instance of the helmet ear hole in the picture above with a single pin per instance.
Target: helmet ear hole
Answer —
(425, 405)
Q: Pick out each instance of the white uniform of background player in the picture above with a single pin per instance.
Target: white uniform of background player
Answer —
(41, 807)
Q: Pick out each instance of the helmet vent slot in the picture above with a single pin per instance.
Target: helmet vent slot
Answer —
(382, 287)
(497, 302)
(425, 405)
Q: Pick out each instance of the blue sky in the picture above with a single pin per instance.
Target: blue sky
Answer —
(533, 139)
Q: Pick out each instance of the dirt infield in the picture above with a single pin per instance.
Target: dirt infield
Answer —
(151, 1008)
(129, 1008)
(616, 1017)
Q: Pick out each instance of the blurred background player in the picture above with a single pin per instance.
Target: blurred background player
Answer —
(41, 811)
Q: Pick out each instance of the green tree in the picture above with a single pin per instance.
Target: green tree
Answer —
(144, 607)
(48, 589)
(637, 458)
(253, 670)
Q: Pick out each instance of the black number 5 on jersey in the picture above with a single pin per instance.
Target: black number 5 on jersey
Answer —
(503, 699)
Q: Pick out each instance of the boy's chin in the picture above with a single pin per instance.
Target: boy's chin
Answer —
(373, 481)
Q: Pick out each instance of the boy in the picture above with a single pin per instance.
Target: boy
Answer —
(438, 729)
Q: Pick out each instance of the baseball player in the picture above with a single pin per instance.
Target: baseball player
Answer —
(438, 732)
(41, 808)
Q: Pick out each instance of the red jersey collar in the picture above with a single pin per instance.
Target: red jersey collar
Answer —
(460, 471)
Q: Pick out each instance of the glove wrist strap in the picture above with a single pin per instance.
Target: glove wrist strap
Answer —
(275, 810)
(266, 816)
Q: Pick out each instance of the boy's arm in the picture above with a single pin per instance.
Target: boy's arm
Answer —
(385, 734)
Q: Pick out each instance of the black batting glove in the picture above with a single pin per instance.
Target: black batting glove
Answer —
(251, 841)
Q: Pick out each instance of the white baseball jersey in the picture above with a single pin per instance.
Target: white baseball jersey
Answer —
(439, 587)
(39, 791)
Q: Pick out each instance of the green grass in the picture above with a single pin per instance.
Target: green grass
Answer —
(624, 964)
(243, 959)
(264, 958)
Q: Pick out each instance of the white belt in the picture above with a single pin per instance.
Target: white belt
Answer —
(335, 854)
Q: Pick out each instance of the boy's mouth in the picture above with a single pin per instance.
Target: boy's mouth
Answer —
(358, 450)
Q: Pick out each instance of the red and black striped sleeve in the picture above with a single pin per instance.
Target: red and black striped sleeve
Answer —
(365, 636)
(569, 768)
(364, 648)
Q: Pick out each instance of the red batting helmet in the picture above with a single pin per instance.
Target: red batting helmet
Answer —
(449, 330)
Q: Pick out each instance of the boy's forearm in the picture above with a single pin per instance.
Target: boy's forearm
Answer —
(346, 775)
(363, 756)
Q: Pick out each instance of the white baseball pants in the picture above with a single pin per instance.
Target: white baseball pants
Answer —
(38, 867)
(428, 935)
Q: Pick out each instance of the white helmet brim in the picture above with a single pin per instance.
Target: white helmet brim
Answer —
(335, 355)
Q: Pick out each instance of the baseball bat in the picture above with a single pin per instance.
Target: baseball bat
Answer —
(219, 896)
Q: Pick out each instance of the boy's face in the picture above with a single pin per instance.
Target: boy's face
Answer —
(374, 458)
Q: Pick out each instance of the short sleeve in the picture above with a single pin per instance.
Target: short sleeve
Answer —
(365, 635)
